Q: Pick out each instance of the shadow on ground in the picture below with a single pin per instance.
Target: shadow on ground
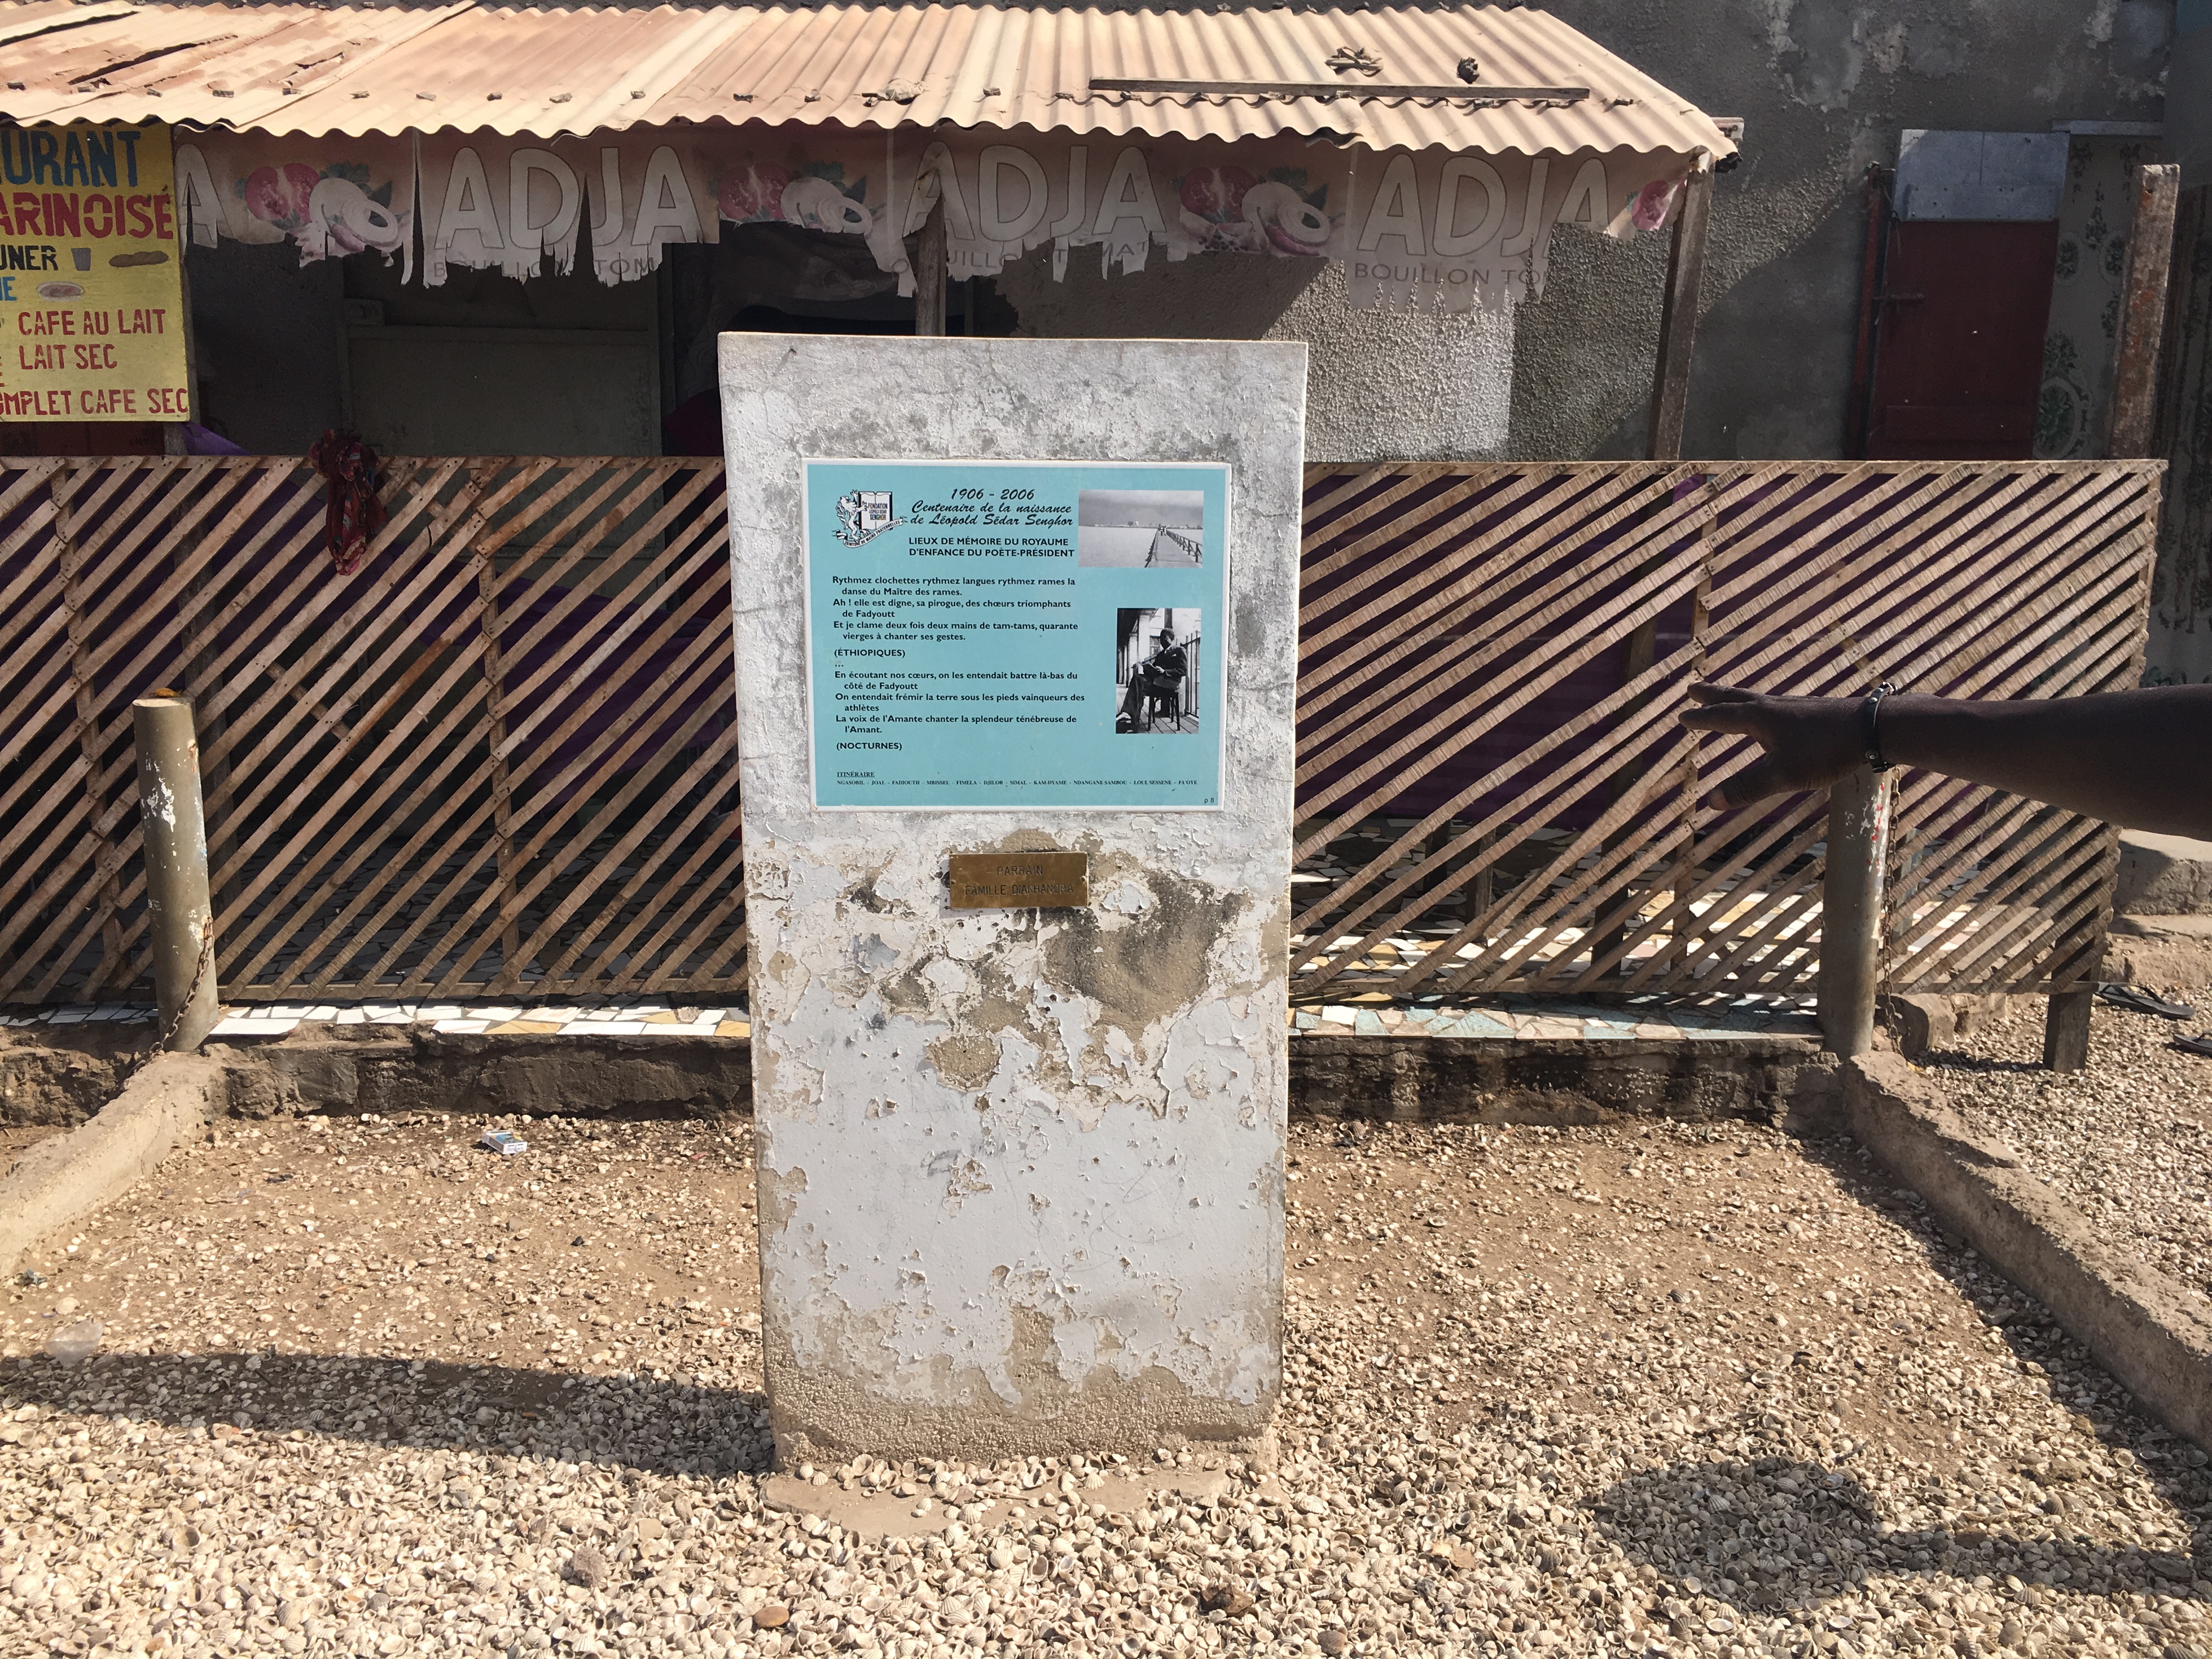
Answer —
(1810, 1528)
(1957, 1060)
(1775, 1534)
(652, 1425)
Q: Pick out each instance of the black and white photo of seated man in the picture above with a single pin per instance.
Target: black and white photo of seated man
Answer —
(1156, 667)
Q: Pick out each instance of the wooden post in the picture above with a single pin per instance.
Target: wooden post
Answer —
(2131, 423)
(2133, 413)
(2066, 1028)
(1877, 227)
(1486, 880)
(1851, 909)
(929, 272)
(2188, 228)
(180, 921)
(502, 826)
(201, 683)
(1670, 397)
(173, 432)
(1678, 319)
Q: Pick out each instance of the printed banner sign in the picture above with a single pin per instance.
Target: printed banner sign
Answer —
(1016, 635)
(91, 284)
(1432, 229)
(324, 196)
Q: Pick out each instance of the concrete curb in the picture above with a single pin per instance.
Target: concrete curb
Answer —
(2147, 1331)
(70, 1175)
(1408, 1078)
(2162, 875)
(2165, 951)
(369, 1070)
(1552, 1081)
(1920, 1021)
(54, 1087)
(1411, 1079)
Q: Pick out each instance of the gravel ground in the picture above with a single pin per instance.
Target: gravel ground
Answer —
(2128, 1141)
(1608, 1391)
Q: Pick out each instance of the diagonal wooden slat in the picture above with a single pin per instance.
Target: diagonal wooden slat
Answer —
(685, 833)
(1415, 753)
(618, 750)
(382, 824)
(724, 886)
(466, 824)
(334, 668)
(1805, 582)
(321, 689)
(1581, 760)
(1437, 654)
(424, 839)
(1411, 631)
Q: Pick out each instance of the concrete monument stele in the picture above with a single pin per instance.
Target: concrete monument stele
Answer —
(1016, 659)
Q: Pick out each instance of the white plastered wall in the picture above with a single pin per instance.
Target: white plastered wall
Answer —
(1020, 1171)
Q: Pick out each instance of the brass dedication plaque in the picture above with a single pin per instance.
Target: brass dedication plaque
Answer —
(1020, 881)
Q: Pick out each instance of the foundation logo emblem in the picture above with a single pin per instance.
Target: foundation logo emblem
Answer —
(864, 514)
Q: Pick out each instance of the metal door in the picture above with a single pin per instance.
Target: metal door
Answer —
(1959, 344)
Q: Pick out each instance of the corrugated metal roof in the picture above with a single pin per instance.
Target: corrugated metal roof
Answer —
(356, 70)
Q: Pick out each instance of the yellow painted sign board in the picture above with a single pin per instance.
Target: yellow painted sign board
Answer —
(92, 314)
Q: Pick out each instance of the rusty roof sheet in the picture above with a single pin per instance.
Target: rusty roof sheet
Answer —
(357, 69)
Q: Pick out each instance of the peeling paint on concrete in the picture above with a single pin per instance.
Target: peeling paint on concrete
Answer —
(1021, 1171)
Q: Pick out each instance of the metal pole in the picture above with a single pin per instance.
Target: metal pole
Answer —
(180, 919)
(1670, 399)
(1851, 909)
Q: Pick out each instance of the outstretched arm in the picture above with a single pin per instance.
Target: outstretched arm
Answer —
(2142, 759)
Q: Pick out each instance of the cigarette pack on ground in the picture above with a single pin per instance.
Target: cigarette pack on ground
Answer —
(505, 1142)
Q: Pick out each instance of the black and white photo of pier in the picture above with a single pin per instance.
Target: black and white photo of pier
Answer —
(1139, 529)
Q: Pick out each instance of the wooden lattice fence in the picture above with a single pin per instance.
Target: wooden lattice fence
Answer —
(1496, 795)
(498, 758)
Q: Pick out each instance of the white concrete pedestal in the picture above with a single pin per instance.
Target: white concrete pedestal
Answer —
(1021, 1180)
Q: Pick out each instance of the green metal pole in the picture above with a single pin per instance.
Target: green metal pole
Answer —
(180, 919)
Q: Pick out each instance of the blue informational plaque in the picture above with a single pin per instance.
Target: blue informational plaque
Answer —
(1008, 634)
